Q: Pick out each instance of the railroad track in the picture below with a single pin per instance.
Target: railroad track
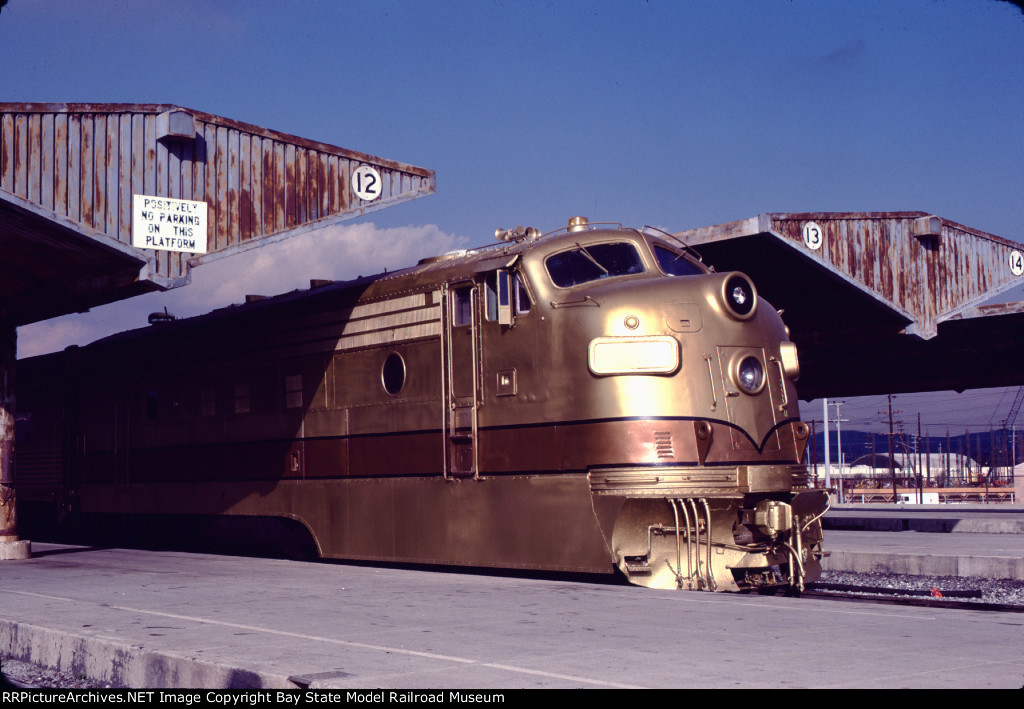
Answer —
(929, 598)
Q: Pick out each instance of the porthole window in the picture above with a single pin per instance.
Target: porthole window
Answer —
(393, 373)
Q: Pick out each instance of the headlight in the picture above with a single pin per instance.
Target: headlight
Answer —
(750, 375)
(739, 295)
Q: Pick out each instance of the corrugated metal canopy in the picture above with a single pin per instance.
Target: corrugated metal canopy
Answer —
(68, 174)
(881, 302)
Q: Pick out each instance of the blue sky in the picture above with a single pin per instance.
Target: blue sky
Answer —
(674, 113)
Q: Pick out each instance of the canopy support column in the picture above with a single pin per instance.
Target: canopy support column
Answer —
(10, 546)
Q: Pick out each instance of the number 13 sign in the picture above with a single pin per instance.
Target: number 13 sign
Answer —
(813, 236)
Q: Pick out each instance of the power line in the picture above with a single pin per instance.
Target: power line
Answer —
(976, 410)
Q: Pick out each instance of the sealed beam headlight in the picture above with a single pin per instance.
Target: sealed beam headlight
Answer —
(739, 295)
(749, 375)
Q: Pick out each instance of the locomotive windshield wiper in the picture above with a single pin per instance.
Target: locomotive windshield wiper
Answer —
(673, 237)
(593, 260)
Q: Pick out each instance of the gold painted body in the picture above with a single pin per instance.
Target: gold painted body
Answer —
(423, 416)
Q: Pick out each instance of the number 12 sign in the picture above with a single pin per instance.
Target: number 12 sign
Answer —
(366, 183)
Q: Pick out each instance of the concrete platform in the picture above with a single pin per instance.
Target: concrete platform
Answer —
(169, 619)
(998, 556)
(968, 518)
(930, 540)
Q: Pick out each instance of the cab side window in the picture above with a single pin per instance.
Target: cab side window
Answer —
(522, 296)
(491, 287)
(507, 293)
(462, 306)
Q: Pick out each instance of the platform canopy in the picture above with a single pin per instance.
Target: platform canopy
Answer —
(74, 177)
(882, 302)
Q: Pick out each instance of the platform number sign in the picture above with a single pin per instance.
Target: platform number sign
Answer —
(366, 183)
(813, 236)
(1016, 262)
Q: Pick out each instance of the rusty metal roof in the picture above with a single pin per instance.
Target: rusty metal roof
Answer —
(881, 302)
(68, 173)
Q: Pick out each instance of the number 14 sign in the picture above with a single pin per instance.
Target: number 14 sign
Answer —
(1016, 263)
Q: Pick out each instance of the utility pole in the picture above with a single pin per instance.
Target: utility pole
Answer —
(967, 458)
(828, 461)
(874, 458)
(839, 445)
(892, 465)
(814, 453)
(949, 452)
(928, 453)
(920, 487)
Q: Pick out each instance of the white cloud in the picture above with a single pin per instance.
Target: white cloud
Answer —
(53, 335)
(336, 253)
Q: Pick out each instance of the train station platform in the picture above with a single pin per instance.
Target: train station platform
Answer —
(149, 619)
(927, 540)
(1001, 518)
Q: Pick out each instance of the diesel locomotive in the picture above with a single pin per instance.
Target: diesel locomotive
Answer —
(589, 399)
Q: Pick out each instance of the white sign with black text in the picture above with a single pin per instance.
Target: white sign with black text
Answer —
(1016, 263)
(813, 236)
(366, 183)
(168, 224)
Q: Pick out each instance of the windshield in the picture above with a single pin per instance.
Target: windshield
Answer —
(593, 261)
(676, 264)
